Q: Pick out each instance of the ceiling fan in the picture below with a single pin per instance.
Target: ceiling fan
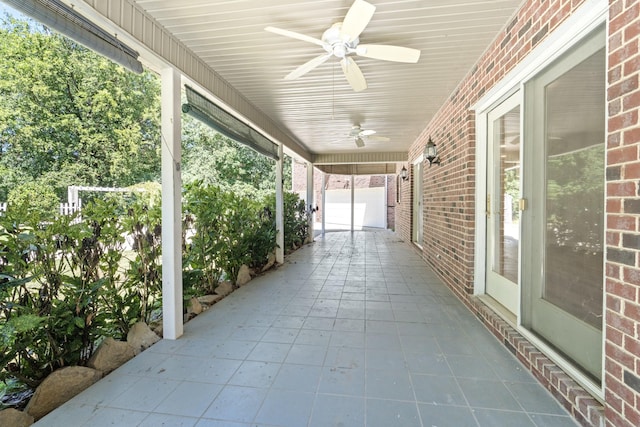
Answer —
(341, 40)
(359, 135)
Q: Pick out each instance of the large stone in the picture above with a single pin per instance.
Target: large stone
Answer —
(209, 299)
(13, 418)
(141, 337)
(270, 261)
(194, 306)
(59, 387)
(224, 288)
(110, 355)
(244, 276)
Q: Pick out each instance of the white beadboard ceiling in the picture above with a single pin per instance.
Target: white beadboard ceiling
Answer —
(320, 108)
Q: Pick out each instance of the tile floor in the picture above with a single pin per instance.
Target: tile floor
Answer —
(354, 330)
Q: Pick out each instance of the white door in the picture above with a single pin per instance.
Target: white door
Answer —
(502, 204)
(418, 213)
(565, 123)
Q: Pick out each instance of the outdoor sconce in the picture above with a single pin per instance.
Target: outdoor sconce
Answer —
(431, 153)
(403, 174)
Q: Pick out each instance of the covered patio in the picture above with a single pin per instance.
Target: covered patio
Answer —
(354, 329)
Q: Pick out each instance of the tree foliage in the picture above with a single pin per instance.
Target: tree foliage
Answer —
(213, 159)
(68, 116)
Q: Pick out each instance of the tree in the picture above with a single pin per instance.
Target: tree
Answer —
(214, 159)
(70, 116)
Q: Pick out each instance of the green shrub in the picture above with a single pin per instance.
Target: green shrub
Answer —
(35, 201)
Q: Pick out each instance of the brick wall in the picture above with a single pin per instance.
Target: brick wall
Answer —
(622, 347)
(449, 205)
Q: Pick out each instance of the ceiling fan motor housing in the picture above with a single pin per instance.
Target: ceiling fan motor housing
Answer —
(337, 45)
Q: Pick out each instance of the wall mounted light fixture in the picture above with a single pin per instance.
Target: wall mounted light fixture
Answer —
(431, 153)
(404, 174)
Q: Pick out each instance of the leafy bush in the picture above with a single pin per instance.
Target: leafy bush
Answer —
(34, 200)
(296, 227)
(65, 284)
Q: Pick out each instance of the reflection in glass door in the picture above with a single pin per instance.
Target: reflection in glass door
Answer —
(567, 130)
(502, 206)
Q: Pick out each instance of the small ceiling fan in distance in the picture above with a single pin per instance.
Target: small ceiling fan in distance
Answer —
(341, 40)
(359, 135)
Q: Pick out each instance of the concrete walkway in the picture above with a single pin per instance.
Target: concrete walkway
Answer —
(354, 330)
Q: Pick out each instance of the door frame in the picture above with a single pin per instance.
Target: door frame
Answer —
(588, 17)
(510, 301)
(417, 220)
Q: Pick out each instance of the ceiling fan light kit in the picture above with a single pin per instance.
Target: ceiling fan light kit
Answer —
(342, 41)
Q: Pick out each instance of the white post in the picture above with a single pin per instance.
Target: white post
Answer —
(172, 317)
(324, 204)
(310, 201)
(279, 207)
(352, 203)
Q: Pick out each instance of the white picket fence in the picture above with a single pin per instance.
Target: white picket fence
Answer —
(65, 208)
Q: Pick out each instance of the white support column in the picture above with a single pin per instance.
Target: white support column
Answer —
(279, 207)
(353, 205)
(310, 201)
(324, 203)
(172, 318)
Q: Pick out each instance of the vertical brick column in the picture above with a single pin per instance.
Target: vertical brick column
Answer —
(622, 334)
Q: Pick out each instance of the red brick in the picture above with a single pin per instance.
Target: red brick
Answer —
(626, 18)
(631, 101)
(632, 276)
(622, 88)
(621, 222)
(621, 290)
(622, 155)
(632, 30)
(613, 238)
(632, 415)
(631, 170)
(621, 189)
(624, 120)
(620, 323)
(631, 66)
(631, 136)
(613, 270)
(619, 389)
(632, 311)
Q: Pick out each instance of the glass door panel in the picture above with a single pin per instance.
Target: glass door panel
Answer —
(503, 195)
(564, 305)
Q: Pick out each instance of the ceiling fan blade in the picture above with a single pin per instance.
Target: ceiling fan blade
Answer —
(294, 35)
(307, 66)
(353, 74)
(367, 132)
(356, 19)
(359, 142)
(388, 53)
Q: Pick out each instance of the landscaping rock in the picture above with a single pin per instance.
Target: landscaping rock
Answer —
(244, 276)
(209, 299)
(141, 337)
(110, 355)
(159, 330)
(270, 261)
(59, 387)
(224, 288)
(194, 306)
(13, 418)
